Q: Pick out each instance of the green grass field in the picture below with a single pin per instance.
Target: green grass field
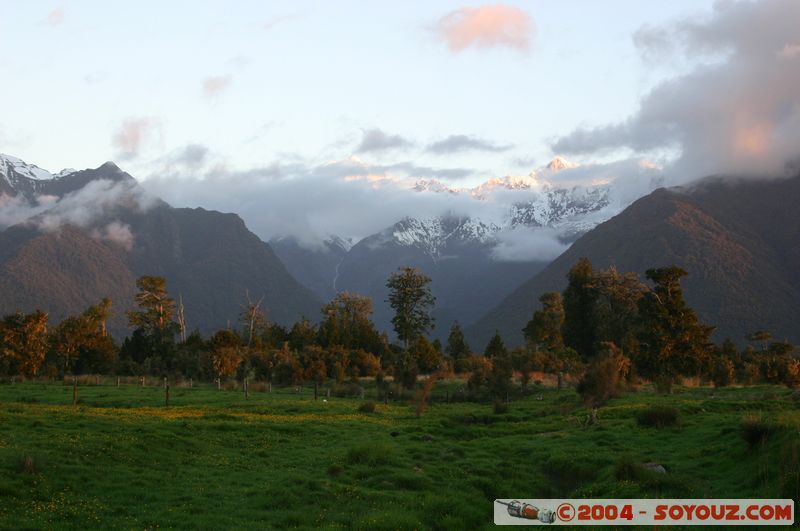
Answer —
(214, 460)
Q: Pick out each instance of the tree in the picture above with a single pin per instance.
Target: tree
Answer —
(302, 334)
(225, 355)
(410, 297)
(760, 336)
(604, 377)
(500, 376)
(456, 347)
(673, 342)
(347, 323)
(82, 341)
(496, 347)
(427, 357)
(253, 320)
(544, 329)
(579, 326)
(156, 306)
(600, 306)
(23, 342)
(615, 308)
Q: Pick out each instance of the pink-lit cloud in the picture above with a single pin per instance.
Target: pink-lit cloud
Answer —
(213, 86)
(55, 17)
(487, 26)
(790, 51)
(134, 134)
(738, 113)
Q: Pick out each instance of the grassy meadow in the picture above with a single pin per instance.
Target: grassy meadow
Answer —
(215, 460)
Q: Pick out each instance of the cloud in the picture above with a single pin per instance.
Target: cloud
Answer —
(270, 24)
(117, 233)
(790, 51)
(92, 78)
(92, 207)
(375, 140)
(737, 110)
(134, 134)
(214, 86)
(349, 198)
(460, 143)
(488, 26)
(353, 198)
(525, 244)
(192, 156)
(55, 17)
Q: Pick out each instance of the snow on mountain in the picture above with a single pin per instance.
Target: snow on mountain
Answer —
(530, 201)
(13, 168)
(560, 163)
(434, 234)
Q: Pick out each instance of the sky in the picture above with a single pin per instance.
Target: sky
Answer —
(275, 109)
(256, 82)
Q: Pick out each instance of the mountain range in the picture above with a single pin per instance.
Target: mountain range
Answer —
(90, 234)
(739, 240)
(71, 238)
(465, 256)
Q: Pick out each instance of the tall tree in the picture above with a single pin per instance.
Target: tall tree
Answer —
(495, 348)
(347, 322)
(23, 342)
(544, 329)
(226, 355)
(302, 334)
(83, 340)
(673, 341)
(156, 306)
(456, 347)
(253, 320)
(579, 326)
(411, 298)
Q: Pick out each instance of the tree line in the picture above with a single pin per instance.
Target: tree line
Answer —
(606, 329)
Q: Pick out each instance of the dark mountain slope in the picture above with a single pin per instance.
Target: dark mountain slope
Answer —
(738, 240)
(210, 259)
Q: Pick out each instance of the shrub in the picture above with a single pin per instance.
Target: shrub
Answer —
(27, 465)
(367, 407)
(370, 454)
(755, 431)
(657, 417)
(723, 374)
(500, 407)
(604, 377)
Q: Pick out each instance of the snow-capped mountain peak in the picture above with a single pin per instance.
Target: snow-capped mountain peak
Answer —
(63, 173)
(560, 163)
(12, 168)
(433, 185)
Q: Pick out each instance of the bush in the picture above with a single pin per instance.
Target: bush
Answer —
(370, 454)
(367, 407)
(26, 465)
(604, 377)
(755, 431)
(500, 407)
(658, 417)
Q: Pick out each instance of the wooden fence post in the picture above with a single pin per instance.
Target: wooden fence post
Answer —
(246, 395)
(74, 391)
(166, 391)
